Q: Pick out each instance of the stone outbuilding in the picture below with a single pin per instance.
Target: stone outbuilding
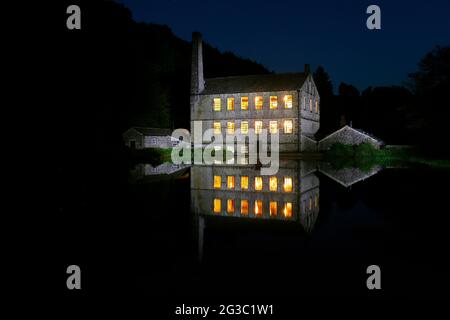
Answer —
(143, 137)
(348, 135)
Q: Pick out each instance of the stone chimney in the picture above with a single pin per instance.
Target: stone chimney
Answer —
(307, 69)
(197, 81)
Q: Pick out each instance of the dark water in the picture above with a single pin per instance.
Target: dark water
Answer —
(150, 237)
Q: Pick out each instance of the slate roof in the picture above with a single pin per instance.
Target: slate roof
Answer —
(153, 131)
(255, 83)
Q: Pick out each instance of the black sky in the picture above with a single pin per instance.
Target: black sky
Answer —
(284, 35)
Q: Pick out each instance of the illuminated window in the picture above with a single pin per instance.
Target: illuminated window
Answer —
(317, 106)
(273, 208)
(230, 182)
(273, 102)
(230, 206)
(310, 104)
(287, 184)
(217, 182)
(310, 203)
(217, 104)
(244, 207)
(244, 103)
(217, 205)
(258, 207)
(258, 126)
(230, 127)
(244, 182)
(217, 128)
(273, 184)
(244, 127)
(273, 126)
(304, 102)
(316, 201)
(230, 104)
(287, 210)
(258, 102)
(288, 126)
(288, 102)
(258, 183)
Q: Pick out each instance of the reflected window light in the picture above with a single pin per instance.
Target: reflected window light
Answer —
(258, 208)
(273, 184)
(317, 106)
(273, 102)
(273, 208)
(288, 102)
(217, 182)
(287, 184)
(304, 103)
(230, 206)
(230, 104)
(258, 183)
(230, 182)
(288, 126)
(310, 104)
(273, 126)
(216, 103)
(244, 207)
(230, 127)
(244, 103)
(244, 127)
(258, 102)
(258, 126)
(244, 182)
(287, 210)
(217, 205)
(217, 128)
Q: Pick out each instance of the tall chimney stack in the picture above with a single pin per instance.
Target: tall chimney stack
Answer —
(197, 81)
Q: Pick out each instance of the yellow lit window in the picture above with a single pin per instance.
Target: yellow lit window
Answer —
(217, 182)
(273, 126)
(258, 126)
(244, 127)
(287, 184)
(287, 210)
(230, 104)
(273, 208)
(244, 207)
(273, 184)
(258, 183)
(317, 106)
(217, 205)
(217, 104)
(258, 102)
(230, 182)
(244, 182)
(217, 128)
(230, 127)
(316, 201)
(244, 103)
(273, 102)
(288, 126)
(230, 206)
(288, 102)
(310, 104)
(258, 208)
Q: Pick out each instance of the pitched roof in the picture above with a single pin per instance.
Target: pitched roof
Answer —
(255, 83)
(153, 131)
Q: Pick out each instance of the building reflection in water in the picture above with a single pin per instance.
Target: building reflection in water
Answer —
(145, 172)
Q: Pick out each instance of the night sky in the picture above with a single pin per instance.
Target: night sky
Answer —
(284, 35)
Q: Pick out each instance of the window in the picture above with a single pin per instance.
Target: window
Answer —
(217, 128)
(317, 106)
(288, 102)
(258, 102)
(304, 102)
(258, 207)
(258, 183)
(244, 207)
(258, 126)
(310, 104)
(217, 182)
(244, 182)
(216, 103)
(217, 205)
(273, 127)
(287, 184)
(310, 203)
(230, 206)
(287, 210)
(230, 127)
(288, 126)
(230, 182)
(273, 208)
(273, 184)
(273, 102)
(316, 201)
(230, 104)
(244, 103)
(244, 127)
